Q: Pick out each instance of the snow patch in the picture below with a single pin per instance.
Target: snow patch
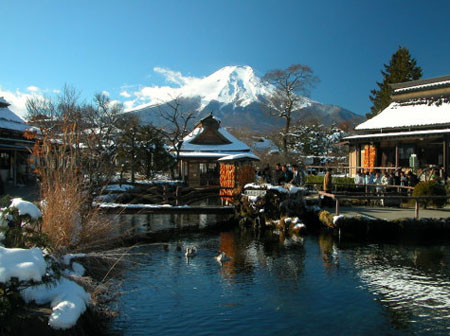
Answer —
(67, 299)
(23, 264)
(26, 208)
(337, 218)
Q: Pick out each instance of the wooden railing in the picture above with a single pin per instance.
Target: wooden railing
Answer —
(372, 196)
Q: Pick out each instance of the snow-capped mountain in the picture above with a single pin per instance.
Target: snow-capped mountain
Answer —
(235, 94)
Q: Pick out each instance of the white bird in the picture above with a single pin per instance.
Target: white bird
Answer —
(190, 252)
(222, 257)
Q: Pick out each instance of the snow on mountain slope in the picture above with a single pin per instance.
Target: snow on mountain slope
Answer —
(233, 93)
(236, 85)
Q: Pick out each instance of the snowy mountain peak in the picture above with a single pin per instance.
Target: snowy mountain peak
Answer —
(233, 93)
(236, 85)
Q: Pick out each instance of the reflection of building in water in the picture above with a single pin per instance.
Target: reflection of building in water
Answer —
(227, 245)
(409, 284)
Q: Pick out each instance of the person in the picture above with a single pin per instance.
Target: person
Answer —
(412, 179)
(359, 180)
(298, 178)
(377, 181)
(277, 174)
(287, 175)
(386, 180)
(327, 186)
(265, 174)
(327, 181)
(403, 179)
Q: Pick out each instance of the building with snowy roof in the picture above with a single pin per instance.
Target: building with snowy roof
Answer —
(412, 132)
(205, 147)
(14, 147)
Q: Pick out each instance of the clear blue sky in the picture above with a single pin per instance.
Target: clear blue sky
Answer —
(111, 45)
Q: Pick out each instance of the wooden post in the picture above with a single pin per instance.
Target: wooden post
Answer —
(417, 209)
(165, 199)
(358, 157)
(445, 158)
(177, 196)
(396, 156)
(337, 206)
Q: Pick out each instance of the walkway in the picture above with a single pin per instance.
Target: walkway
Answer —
(391, 213)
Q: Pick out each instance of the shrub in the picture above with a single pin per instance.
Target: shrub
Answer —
(430, 188)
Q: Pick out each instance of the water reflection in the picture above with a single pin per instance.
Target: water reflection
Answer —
(313, 285)
(411, 282)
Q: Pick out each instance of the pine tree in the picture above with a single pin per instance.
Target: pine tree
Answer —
(401, 68)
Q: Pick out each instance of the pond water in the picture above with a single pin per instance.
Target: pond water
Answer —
(315, 285)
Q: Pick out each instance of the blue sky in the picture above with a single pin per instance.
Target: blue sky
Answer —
(115, 45)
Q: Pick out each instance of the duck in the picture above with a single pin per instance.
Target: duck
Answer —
(222, 257)
(190, 252)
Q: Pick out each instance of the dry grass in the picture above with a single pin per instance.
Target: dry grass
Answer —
(68, 217)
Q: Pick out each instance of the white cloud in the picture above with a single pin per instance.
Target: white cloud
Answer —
(150, 95)
(175, 77)
(125, 94)
(18, 100)
(106, 93)
(33, 88)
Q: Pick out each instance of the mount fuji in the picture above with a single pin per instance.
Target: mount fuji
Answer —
(235, 95)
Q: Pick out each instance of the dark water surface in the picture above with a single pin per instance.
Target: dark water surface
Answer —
(314, 285)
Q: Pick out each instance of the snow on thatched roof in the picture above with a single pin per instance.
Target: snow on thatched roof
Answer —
(418, 113)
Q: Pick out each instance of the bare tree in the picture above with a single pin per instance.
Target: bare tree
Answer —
(177, 123)
(290, 85)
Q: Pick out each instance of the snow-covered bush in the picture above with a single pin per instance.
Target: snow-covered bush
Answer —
(20, 225)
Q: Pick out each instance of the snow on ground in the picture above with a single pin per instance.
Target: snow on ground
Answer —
(67, 259)
(26, 208)
(67, 299)
(265, 186)
(337, 218)
(23, 264)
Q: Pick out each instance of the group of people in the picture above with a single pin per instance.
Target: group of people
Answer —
(282, 174)
(398, 178)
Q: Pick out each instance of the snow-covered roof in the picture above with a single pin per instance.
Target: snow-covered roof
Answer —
(204, 154)
(418, 113)
(398, 134)
(421, 85)
(234, 157)
(10, 120)
(234, 144)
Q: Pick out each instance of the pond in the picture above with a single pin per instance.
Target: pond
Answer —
(313, 285)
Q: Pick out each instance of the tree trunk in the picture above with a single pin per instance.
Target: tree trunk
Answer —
(285, 135)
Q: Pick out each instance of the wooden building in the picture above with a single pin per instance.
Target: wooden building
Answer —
(413, 132)
(14, 147)
(202, 149)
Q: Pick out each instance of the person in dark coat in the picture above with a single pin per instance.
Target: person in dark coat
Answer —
(298, 179)
(277, 175)
(412, 179)
(287, 175)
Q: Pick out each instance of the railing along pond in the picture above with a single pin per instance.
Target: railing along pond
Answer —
(383, 195)
(165, 200)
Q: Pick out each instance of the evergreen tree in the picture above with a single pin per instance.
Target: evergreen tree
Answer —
(401, 68)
